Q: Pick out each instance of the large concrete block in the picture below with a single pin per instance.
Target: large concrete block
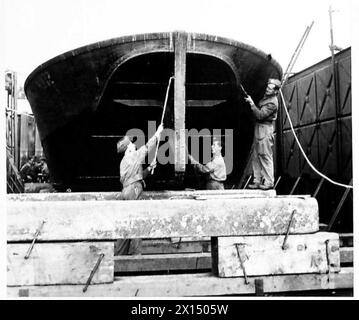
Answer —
(85, 220)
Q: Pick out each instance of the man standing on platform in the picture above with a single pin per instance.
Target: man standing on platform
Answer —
(265, 114)
(132, 178)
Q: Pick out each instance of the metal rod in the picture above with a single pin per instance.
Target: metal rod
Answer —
(245, 186)
(318, 187)
(37, 233)
(275, 185)
(93, 271)
(242, 265)
(295, 185)
(284, 245)
(341, 202)
(335, 95)
(301, 46)
(296, 53)
(244, 91)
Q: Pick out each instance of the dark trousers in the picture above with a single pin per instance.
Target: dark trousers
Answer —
(214, 185)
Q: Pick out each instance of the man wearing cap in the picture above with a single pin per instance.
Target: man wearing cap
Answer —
(131, 177)
(215, 170)
(265, 114)
(131, 172)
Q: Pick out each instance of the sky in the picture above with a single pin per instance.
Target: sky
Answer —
(38, 30)
(34, 31)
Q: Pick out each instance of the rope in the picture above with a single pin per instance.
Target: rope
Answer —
(163, 114)
(303, 153)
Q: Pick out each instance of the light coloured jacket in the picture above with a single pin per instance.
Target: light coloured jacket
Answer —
(131, 164)
(216, 168)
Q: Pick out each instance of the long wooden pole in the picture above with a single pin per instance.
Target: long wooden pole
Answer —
(162, 117)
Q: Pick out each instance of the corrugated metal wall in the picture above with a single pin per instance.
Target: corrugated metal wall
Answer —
(324, 130)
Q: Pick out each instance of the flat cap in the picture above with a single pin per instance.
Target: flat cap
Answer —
(123, 144)
(276, 82)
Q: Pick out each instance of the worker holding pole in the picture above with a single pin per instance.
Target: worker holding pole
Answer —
(132, 174)
(131, 171)
(265, 114)
(215, 170)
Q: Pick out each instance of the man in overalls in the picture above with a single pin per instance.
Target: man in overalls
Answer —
(215, 170)
(132, 178)
(265, 114)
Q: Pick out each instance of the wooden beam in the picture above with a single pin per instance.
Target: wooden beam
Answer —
(346, 239)
(146, 195)
(346, 255)
(263, 255)
(89, 220)
(166, 246)
(163, 262)
(180, 48)
(158, 103)
(59, 263)
(199, 284)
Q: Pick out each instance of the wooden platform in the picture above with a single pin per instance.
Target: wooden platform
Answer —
(175, 257)
(182, 285)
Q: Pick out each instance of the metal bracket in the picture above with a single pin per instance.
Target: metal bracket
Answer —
(284, 245)
(329, 270)
(37, 233)
(93, 272)
(179, 243)
(242, 264)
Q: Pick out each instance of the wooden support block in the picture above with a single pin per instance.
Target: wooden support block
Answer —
(198, 284)
(263, 255)
(111, 220)
(59, 263)
(163, 262)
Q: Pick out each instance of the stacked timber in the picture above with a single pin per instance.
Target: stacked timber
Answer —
(66, 247)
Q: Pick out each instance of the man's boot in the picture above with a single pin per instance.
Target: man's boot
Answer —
(266, 186)
(254, 185)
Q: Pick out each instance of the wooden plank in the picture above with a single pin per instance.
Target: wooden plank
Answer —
(163, 262)
(158, 103)
(263, 255)
(346, 239)
(200, 284)
(89, 220)
(59, 263)
(180, 46)
(171, 246)
(346, 255)
(146, 195)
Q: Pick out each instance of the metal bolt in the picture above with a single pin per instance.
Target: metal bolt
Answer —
(37, 233)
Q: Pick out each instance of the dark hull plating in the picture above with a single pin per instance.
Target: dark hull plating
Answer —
(84, 100)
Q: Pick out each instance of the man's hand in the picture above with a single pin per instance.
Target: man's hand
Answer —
(193, 160)
(153, 165)
(249, 100)
(159, 130)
